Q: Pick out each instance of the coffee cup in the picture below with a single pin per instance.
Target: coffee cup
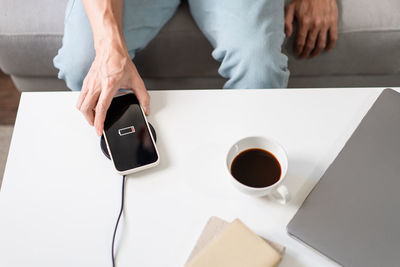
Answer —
(257, 166)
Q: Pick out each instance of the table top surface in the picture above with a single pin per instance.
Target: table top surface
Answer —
(60, 195)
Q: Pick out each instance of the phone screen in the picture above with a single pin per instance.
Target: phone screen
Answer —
(127, 134)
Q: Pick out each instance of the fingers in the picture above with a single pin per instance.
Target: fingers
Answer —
(289, 17)
(321, 43)
(318, 26)
(102, 106)
(82, 95)
(105, 99)
(333, 36)
(89, 104)
(310, 44)
(301, 36)
(143, 96)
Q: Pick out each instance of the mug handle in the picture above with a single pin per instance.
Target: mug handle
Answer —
(281, 194)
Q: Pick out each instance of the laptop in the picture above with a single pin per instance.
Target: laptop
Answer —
(353, 214)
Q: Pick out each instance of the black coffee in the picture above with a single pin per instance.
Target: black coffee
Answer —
(256, 168)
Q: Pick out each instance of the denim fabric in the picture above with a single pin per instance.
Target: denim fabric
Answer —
(246, 35)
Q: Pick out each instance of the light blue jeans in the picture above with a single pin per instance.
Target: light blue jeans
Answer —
(246, 35)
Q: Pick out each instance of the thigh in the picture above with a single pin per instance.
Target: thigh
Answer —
(247, 37)
(142, 20)
(233, 23)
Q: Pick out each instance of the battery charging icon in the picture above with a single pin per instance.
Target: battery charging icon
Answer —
(126, 130)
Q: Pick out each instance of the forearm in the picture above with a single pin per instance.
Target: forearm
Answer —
(112, 68)
(105, 17)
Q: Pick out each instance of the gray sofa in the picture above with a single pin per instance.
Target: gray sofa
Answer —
(367, 53)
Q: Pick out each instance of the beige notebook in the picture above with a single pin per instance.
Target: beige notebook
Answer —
(221, 243)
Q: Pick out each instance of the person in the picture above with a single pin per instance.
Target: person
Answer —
(102, 37)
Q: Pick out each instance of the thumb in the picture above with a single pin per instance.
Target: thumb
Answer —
(289, 17)
(143, 97)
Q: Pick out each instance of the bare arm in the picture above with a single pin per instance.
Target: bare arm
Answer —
(112, 67)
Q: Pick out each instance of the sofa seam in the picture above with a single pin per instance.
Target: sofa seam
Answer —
(41, 34)
(369, 30)
(31, 35)
(344, 75)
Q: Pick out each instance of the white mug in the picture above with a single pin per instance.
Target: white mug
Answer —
(278, 191)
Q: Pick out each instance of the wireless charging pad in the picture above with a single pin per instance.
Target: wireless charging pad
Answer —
(103, 145)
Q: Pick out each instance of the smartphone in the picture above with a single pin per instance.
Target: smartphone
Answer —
(129, 140)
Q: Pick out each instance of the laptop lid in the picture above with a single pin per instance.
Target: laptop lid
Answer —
(353, 214)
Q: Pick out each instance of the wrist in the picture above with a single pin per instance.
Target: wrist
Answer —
(108, 34)
(111, 44)
(111, 55)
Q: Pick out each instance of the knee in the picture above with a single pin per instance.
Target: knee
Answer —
(267, 65)
(257, 64)
(72, 68)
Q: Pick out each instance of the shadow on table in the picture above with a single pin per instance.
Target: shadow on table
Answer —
(290, 260)
(300, 181)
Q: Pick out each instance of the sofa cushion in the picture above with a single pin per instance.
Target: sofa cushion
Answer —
(369, 16)
(30, 36)
(21, 17)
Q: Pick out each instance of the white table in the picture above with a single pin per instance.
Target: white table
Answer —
(60, 195)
